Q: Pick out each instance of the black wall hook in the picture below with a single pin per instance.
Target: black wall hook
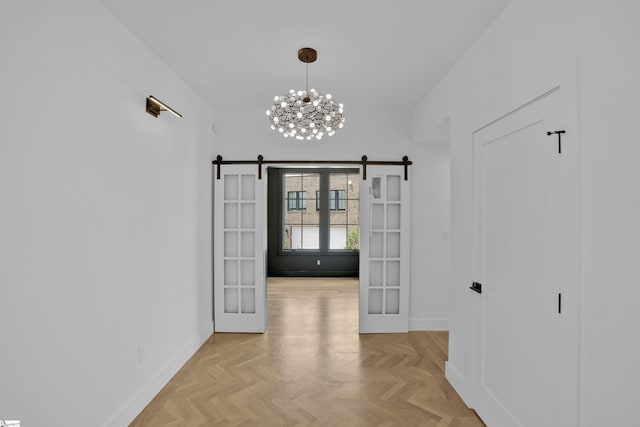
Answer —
(559, 133)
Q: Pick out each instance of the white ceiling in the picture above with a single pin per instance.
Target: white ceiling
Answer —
(370, 53)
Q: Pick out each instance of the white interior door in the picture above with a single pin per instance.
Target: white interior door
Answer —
(384, 251)
(239, 250)
(525, 357)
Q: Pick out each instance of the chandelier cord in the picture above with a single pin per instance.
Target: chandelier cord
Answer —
(307, 81)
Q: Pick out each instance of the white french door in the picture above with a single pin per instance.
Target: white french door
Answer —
(384, 251)
(239, 250)
(525, 353)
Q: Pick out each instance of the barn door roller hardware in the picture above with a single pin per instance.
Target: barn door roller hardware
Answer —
(364, 162)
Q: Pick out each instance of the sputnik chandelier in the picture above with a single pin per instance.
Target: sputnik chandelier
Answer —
(306, 114)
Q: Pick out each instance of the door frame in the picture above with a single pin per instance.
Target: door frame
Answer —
(306, 257)
(569, 224)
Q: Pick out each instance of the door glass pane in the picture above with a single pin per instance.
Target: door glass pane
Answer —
(230, 273)
(230, 300)
(248, 298)
(230, 244)
(375, 301)
(392, 302)
(248, 273)
(248, 244)
(248, 213)
(393, 216)
(393, 245)
(376, 245)
(248, 187)
(393, 273)
(377, 216)
(230, 215)
(393, 188)
(231, 187)
(376, 187)
(375, 273)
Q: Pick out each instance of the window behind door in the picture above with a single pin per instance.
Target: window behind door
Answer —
(313, 221)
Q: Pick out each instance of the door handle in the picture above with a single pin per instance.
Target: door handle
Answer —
(477, 287)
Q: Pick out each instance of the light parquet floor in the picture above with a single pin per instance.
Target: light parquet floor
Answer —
(312, 368)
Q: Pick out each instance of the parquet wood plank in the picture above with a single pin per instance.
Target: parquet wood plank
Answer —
(312, 368)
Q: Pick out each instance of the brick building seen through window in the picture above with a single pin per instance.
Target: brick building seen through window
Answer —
(302, 211)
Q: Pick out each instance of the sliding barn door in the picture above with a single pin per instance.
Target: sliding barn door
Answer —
(384, 251)
(239, 250)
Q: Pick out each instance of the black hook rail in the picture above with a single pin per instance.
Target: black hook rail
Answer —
(364, 162)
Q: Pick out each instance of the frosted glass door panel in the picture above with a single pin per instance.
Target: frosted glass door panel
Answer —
(248, 187)
(248, 300)
(248, 244)
(375, 301)
(393, 273)
(230, 215)
(392, 303)
(393, 216)
(230, 244)
(230, 187)
(377, 217)
(230, 300)
(230, 273)
(384, 262)
(248, 273)
(248, 217)
(393, 245)
(393, 188)
(376, 273)
(239, 273)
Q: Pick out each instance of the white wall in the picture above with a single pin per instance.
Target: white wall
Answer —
(522, 55)
(430, 219)
(381, 135)
(105, 218)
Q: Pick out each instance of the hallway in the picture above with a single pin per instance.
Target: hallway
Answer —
(312, 367)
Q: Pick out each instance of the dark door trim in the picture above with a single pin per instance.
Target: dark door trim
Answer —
(305, 262)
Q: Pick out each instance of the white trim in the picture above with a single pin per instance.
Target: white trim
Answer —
(207, 332)
(428, 324)
(456, 380)
(130, 410)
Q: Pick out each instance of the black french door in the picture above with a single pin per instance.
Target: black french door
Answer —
(313, 222)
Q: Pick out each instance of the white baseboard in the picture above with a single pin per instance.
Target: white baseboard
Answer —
(428, 324)
(207, 331)
(127, 413)
(456, 380)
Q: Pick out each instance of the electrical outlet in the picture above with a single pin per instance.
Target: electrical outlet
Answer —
(318, 263)
(142, 352)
